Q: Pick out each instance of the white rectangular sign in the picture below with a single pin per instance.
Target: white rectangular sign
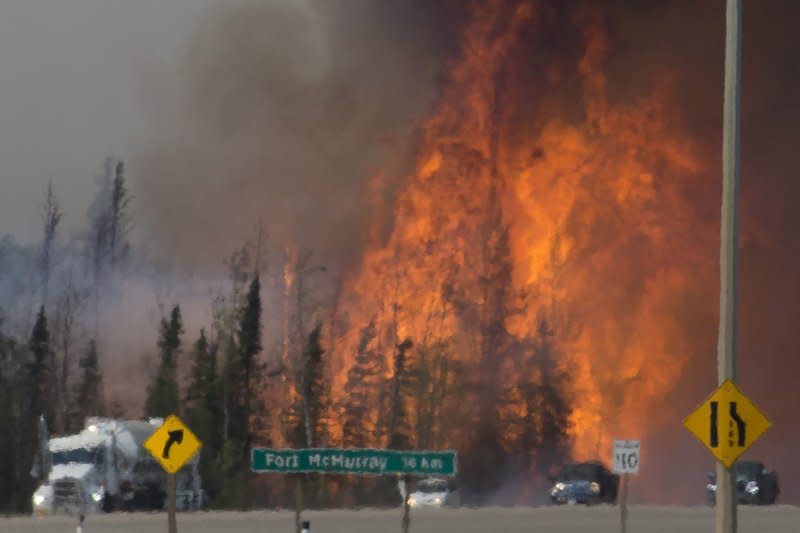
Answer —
(626, 457)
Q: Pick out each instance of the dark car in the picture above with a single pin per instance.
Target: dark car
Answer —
(585, 483)
(755, 484)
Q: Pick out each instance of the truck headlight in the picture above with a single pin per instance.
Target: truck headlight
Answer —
(412, 502)
(98, 495)
(595, 487)
(437, 500)
(42, 497)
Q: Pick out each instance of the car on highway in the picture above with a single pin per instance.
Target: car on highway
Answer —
(586, 483)
(431, 492)
(755, 484)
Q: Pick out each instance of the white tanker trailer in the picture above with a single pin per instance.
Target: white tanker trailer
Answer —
(105, 467)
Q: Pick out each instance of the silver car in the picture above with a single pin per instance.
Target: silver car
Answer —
(431, 492)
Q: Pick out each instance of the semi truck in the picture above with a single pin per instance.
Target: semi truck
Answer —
(104, 468)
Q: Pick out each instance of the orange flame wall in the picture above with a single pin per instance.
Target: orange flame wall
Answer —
(603, 239)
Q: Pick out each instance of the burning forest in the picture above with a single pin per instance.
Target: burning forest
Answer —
(538, 253)
(517, 262)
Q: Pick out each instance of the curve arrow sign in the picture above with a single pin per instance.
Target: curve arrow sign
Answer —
(175, 437)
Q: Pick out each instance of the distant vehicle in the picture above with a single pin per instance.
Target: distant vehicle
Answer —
(104, 468)
(755, 484)
(587, 483)
(431, 492)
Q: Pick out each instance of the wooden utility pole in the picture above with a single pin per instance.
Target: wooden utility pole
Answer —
(726, 521)
(171, 523)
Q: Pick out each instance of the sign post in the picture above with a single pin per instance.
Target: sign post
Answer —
(298, 502)
(173, 445)
(625, 461)
(727, 423)
(406, 504)
(358, 461)
(172, 526)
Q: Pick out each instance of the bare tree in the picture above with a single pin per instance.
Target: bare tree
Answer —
(305, 309)
(119, 219)
(67, 309)
(51, 217)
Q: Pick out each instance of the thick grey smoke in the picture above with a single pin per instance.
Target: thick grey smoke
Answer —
(284, 110)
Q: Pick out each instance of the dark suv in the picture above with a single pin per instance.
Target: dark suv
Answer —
(586, 483)
(755, 484)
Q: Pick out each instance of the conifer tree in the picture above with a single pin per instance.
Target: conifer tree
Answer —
(162, 394)
(203, 412)
(9, 436)
(40, 370)
(242, 384)
(358, 427)
(247, 367)
(119, 219)
(88, 390)
(314, 390)
(399, 427)
(553, 406)
(51, 217)
(37, 400)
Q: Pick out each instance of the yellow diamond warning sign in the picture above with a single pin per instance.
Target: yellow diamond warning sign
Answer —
(173, 444)
(727, 423)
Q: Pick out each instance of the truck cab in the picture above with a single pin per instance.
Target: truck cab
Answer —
(105, 467)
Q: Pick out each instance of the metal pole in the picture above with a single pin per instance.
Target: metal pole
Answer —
(298, 502)
(623, 505)
(171, 524)
(406, 505)
(726, 521)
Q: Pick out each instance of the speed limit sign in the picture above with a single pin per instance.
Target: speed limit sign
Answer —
(626, 456)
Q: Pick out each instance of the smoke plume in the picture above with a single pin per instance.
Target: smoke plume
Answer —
(284, 109)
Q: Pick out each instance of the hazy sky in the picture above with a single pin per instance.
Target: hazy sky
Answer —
(71, 84)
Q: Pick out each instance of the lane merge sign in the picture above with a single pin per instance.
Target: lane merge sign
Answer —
(626, 457)
(173, 444)
(359, 461)
(727, 423)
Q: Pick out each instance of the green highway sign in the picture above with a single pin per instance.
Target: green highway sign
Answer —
(361, 461)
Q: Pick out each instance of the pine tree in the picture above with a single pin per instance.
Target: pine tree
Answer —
(118, 216)
(162, 394)
(248, 379)
(399, 426)
(51, 217)
(553, 407)
(40, 370)
(241, 389)
(88, 390)
(203, 413)
(201, 402)
(37, 400)
(9, 436)
(314, 390)
(357, 428)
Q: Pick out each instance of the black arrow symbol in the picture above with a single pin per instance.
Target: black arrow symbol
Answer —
(175, 437)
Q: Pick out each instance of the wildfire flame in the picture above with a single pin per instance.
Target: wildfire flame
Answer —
(601, 237)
